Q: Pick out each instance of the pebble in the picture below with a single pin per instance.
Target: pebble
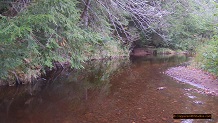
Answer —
(164, 118)
(198, 102)
(192, 97)
(176, 121)
(187, 89)
(161, 88)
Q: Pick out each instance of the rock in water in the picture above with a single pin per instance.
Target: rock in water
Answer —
(161, 88)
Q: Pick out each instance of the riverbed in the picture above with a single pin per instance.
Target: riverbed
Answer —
(131, 90)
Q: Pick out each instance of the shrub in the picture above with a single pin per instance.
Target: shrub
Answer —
(207, 56)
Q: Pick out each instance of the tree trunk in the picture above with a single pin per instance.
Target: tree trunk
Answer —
(84, 16)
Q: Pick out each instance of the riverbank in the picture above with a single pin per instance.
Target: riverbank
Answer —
(111, 52)
(27, 72)
(154, 51)
(21, 79)
(206, 82)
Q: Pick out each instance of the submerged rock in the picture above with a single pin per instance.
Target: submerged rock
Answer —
(198, 102)
(161, 88)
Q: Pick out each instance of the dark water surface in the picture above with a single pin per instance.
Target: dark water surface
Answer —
(108, 91)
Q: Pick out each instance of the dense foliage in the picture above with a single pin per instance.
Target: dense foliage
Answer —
(35, 34)
(207, 52)
(46, 31)
(190, 23)
(207, 56)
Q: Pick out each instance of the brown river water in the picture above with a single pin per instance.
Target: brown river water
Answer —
(131, 90)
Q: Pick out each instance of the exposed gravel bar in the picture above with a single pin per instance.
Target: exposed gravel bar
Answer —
(196, 77)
